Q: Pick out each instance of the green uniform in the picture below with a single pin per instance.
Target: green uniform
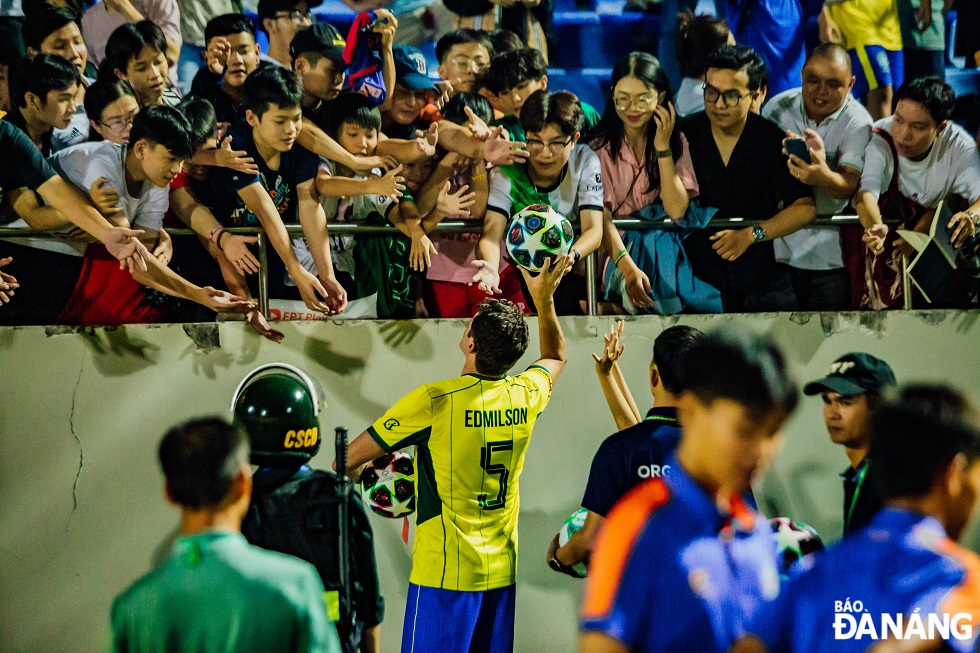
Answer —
(217, 593)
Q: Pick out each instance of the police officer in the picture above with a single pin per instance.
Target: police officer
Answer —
(296, 509)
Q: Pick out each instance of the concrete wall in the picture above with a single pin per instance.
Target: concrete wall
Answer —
(81, 508)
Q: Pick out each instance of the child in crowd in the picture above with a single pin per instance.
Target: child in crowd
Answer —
(137, 54)
(561, 173)
(111, 108)
(283, 192)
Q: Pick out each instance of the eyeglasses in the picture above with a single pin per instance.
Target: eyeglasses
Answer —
(466, 62)
(298, 16)
(119, 124)
(729, 98)
(555, 147)
(645, 103)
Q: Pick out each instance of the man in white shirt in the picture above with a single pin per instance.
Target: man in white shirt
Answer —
(836, 129)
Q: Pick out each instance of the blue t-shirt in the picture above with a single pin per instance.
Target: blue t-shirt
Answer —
(774, 29)
(899, 565)
(628, 458)
(220, 191)
(672, 573)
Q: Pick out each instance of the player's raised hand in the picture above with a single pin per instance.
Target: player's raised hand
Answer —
(8, 283)
(612, 348)
(238, 160)
(544, 284)
(487, 278)
(261, 326)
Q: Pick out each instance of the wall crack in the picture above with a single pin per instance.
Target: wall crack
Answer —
(81, 449)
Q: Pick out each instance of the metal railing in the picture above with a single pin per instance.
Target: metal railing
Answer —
(353, 228)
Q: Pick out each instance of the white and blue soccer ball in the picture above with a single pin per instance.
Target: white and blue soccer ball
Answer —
(536, 234)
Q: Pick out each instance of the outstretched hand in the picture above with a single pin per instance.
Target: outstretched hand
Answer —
(543, 285)
(612, 348)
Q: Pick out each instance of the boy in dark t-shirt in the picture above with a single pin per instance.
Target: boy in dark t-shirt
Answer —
(284, 191)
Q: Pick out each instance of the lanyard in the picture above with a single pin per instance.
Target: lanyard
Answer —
(859, 482)
(660, 418)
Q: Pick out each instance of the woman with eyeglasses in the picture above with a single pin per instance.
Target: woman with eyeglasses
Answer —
(646, 170)
(111, 107)
(559, 172)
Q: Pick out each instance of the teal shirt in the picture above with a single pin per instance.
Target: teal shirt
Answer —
(934, 36)
(216, 593)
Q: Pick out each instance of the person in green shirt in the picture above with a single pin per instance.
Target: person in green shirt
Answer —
(216, 592)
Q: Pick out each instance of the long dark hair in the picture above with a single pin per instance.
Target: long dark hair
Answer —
(646, 68)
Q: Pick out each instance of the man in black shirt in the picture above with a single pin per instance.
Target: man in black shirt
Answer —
(232, 54)
(851, 390)
(42, 94)
(741, 171)
(633, 455)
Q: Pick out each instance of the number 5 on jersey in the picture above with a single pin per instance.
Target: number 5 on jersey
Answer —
(497, 469)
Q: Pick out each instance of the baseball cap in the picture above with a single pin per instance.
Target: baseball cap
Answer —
(410, 69)
(269, 8)
(856, 373)
(320, 37)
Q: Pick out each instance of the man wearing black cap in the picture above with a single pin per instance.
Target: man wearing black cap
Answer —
(317, 54)
(281, 20)
(851, 390)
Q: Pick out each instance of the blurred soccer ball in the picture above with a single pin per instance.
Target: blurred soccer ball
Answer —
(388, 485)
(795, 541)
(538, 233)
(572, 525)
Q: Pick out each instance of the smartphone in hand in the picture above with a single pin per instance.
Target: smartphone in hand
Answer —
(798, 147)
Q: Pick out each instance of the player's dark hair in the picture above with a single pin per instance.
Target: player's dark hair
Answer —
(932, 93)
(45, 20)
(610, 131)
(740, 57)
(916, 435)
(512, 69)
(454, 110)
(560, 108)
(228, 25)
(40, 75)
(201, 459)
(670, 350)
(269, 85)
(504, 40)
(201, 120)
(697, 37)
(460, 37)
(743, 366)
(100, 95)
(126, 43)
(500, 336)
(832, 52)
(163, 125)
(351, 108)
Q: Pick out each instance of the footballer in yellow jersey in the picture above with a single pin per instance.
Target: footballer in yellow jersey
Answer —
(470, 435)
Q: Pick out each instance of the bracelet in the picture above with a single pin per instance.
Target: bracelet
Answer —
(214, 231)
(619, 255)
(974, 217)
(478, 177)
(217, 241)
(665, 154)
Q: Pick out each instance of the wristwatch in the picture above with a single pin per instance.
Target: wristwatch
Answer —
(576, 254)
(758, 234)
(975, 218)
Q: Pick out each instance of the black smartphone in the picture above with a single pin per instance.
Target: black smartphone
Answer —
(798, 147)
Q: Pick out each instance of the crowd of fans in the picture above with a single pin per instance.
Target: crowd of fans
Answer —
(104, 151)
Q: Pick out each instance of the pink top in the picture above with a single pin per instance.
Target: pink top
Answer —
(618, 176)
(98, 24)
